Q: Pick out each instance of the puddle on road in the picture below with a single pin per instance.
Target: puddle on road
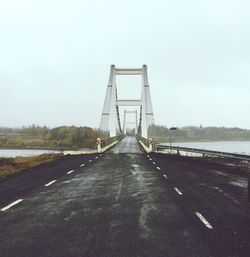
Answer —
(239, 182)
(235, 181)
(67, 181)
(232, 198)
(70, 216)
(218, 189)
(219, 173)
(146, 210)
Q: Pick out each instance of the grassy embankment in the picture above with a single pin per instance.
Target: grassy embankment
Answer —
(10, 166)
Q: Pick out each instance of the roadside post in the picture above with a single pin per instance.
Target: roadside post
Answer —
(98, 143)
(151, 144)
(171, 129)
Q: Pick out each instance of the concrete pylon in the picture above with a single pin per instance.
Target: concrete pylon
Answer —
(110, 120)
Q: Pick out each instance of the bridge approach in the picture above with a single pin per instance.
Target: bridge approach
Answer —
(125, 203)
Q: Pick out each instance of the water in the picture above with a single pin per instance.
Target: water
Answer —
(23, 152)
(240, 147)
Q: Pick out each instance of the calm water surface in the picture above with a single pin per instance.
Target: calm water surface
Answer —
(241, 147)
(23, 152)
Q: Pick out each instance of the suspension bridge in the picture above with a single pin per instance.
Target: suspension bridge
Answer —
(110, 120)
(127, 199)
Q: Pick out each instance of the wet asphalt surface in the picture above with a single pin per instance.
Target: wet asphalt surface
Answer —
(126, 204)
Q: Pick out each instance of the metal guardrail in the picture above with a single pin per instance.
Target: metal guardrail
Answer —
(204, 152)
(110, 140)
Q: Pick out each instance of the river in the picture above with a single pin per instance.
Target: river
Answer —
(23, 152)
(241, 147)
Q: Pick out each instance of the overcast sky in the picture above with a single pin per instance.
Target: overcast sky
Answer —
(55, 58)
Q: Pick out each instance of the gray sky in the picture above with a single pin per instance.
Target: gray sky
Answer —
(55, 57)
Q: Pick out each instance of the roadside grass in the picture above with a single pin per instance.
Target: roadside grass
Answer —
(10, 166)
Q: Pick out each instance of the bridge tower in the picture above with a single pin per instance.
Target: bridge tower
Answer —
(110, 120)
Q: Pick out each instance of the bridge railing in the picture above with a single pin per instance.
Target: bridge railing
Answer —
(104, 143)
(148, 144)
(110, 140)
(144, 140)
(203, 152)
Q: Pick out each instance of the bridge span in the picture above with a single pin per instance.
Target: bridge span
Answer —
(125, 203)
(128, 144)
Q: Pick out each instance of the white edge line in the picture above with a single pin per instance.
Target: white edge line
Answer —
(51, 182)
(178, 191)
(204, 221)
(12, 204)
(69, 172)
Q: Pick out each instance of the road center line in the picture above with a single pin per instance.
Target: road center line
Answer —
(69, 172)
(204, 221)
(50, 183)
(178, 191)
(12, 204)
(82, 165)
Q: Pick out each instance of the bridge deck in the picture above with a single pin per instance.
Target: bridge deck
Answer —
(126, 145)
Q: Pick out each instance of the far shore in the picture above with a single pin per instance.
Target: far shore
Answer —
(59, 149)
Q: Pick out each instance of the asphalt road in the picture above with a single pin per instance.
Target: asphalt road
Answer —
(125, 204)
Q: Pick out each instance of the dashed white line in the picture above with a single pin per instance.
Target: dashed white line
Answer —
(96, 157)
(154, 163)
(178, 191)
(148, 156)
(50, 183)
(90, 160)
(69, 172)
(12, 204)
(100, 155)
(204, 221)
(82, 165)
(158, 168)
(165, 176)
(150, 159)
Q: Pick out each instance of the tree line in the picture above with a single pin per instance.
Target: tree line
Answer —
(69, 137)
(193, 133)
